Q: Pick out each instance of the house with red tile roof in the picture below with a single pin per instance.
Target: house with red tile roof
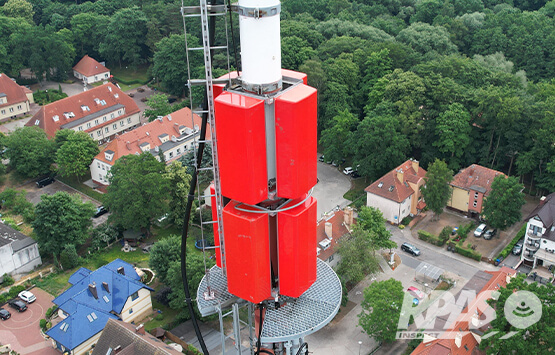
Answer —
(171, 136)
(469, 187)
(15, 100)
(102, 112)
(464, 335)
(329, 231)
(397, 193)
(90, 71)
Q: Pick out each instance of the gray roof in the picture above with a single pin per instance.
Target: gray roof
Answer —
(171, 144)
(19, 241)
(2, 94)
(93, 115)
(478, 188)
(545, 211)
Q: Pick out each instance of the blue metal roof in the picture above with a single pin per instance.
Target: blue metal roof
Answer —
(78, 300)
(84, 323)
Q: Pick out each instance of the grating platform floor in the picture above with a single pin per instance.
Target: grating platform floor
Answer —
(296, 319)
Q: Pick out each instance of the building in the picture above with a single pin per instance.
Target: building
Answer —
(170, 136)
(102, 112)
(397, 193)
(15, 100)
(329, 230)
(539, 243)
(463, 336)
(120, 337)
(18, 252)
(90, 71)
(469, 187)
(114, 291)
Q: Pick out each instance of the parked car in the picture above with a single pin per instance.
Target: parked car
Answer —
(416, 292)
(348, 170)
(18, 305)
(27, 296)
(490, 233)
(355, 174)
(100, 211)
(4, 314)
(44, 181)
(480, 230)
(517, 249)
(411, 249)
(321, 158)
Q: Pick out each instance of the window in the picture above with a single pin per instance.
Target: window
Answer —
(103, 168)
(80, 128)
(88, 125)
(98, 164)
(19, 107)
(111, 115)
(119, 112)
(90, 134)
(115, 126)
(100, 175)
(104, 119)
(135, 296)
(121, 123)
(475, 195)
(99, 133)
(4, 112)
(171, 155)
(475, 203)
(330, 259)
(130, 310)
(129, 120)
(107, 129)
(178, 151)
(105, 75)
(11, 109)
(95, 122)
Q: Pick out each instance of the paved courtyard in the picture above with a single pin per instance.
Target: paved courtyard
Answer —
(22, 330)
(331, 187)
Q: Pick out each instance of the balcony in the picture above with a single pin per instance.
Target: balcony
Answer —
(533, 235)
(528, 256)
(532, 247)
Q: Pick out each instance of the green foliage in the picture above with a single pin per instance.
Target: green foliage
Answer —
(30, 152)
(502, 207)
(61, 219)
(509, 248)
(435, 240)
(16, 201)
(371, 220)
(138, 191)
(158, 106)
(75, 155)
(50, 95)
(469, 253)
(18, 9)
(162, 254)
(8, 280)
(189, 159)
(69, 258)
(334, 137)
(42, 324)
(465, 229)
(49, 312)
(357, 256)
(103, 235)
(14, 291)
(381, 309)
(436, 191)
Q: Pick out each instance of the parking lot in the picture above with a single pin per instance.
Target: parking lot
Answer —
(21, 331)
(331, 187)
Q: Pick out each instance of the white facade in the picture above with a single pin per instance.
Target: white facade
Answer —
(392, 211)
(93, 78)
(20, 261)
(105, 131)
(538, 249)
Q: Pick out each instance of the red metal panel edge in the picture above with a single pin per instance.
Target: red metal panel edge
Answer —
(215, 218)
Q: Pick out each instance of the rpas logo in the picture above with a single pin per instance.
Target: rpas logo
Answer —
(522, 309)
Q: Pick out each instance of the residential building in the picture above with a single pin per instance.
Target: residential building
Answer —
(102, 112)
(329, 231)
(15, 100)
(113, 291)
(171, 136)
(120, 337)
(18, 253)
(469, 188)
(539, 242)
(464, 334)
(397, 193)
(90, 71)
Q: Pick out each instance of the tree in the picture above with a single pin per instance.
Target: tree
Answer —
(295, 51)
(162, 254)
(371, 220)
(138, 191)
(501, 208)
(30, 152)
(69, 258)
(453, 131)
(158, 106)
(537, 338)
(61, 219)
(381, 309)
(125, 37)
(179, 181)
(357, 256)
(426, 38)
(436, 191)
(18, 8)
(333, 139)
(82, 25)
(190, 161)
(76, 154)
(103, 235)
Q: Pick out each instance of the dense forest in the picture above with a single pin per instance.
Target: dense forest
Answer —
(466, 81)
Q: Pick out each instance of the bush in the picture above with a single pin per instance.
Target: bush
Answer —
(14, 291)
(406, 220)
(469, 253)
(29, 214)
(8, 280)
(465, 229)
(69, 258)
(50, 95)
(49, 312)
(511, 245)
(159, 316)
(11, 223)
(163, 295)
(4, 298)
(432, 239)
(444, 235)
(42, 324)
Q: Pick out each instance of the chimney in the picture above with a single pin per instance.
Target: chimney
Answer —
(128, 144)
(348, 216)
(542, 200)
(117, 349)
(400, 175)
(94, 292)
(176, 127)
(458, 339)
(121, 270)
(105, 285)
(140, 329)
(415, 165)
(328, 229)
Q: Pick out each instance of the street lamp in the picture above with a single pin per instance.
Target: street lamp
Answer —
(359, 346)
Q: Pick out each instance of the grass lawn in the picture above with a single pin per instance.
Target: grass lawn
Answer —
(79, 186)
(130, 74)
(55, 283)
(125, 87)
(162, 319)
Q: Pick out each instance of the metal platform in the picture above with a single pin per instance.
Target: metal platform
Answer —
(296, 319)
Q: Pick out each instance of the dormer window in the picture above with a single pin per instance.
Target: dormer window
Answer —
(145, 147)
(116, 95)
(85, 108)
(55, 118)
(380, 184)
(97, 101)
(109, 155)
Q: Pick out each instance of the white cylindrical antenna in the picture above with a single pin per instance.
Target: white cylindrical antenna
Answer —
(260, 45)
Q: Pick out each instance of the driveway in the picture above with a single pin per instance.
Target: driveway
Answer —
(70, 89)
(331, 187)
(22, 330)
(139, 96)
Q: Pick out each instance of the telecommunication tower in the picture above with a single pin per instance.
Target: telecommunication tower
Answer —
(263, 138)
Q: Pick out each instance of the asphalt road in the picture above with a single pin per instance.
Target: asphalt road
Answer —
(331, 187)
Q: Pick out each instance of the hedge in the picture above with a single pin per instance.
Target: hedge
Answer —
(469, 253)
(432, 239)
(511, 245)
(131, 82)
(464, 229)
